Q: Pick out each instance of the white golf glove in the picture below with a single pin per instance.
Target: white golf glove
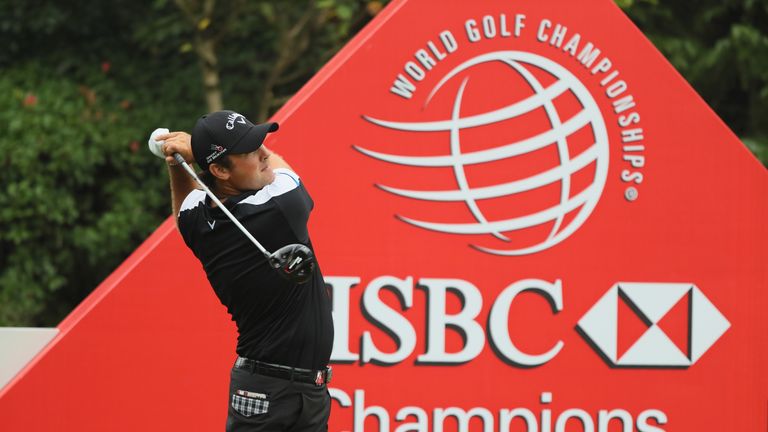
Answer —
(156, 147)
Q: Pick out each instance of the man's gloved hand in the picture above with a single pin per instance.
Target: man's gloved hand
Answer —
(164, 144)
(155, 145)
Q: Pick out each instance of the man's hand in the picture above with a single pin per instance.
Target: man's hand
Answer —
(177, 142)
(181, 183)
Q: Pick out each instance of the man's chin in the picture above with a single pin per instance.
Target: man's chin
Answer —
(265, 180)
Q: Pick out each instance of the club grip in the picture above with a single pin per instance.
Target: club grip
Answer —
(179, 159)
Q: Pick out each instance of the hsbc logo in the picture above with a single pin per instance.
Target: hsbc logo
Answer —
(652, 303)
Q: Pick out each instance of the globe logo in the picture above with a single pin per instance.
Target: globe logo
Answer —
(574, 176)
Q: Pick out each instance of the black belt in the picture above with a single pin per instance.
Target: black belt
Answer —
(316, 377)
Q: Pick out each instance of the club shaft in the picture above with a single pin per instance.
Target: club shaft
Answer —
(231, 217)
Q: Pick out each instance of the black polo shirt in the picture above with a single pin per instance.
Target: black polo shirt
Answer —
(278, 321)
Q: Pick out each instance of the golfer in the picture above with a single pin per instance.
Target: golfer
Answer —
(278, 381)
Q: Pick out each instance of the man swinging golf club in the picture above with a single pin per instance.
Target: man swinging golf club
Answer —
(251, 197)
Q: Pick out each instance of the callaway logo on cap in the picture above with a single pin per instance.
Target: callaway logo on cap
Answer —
(234, 117)
(226, 132)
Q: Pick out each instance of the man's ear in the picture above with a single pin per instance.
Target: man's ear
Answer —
(219, 171)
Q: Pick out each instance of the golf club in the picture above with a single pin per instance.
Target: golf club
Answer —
(294, 262)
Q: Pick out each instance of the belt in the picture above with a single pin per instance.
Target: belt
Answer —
(316, 377)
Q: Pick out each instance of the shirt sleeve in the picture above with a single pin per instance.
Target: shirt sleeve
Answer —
(285, 181)
(289, 195)
(295, 206)
(187, 218)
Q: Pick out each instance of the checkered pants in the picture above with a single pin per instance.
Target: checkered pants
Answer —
(249, 406)
(262, 403)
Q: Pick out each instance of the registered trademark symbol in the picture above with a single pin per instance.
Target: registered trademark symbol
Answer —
(631, 193)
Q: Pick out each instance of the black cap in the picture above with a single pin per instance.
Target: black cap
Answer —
(226, 132)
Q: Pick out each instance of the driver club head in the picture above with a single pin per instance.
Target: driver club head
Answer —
(294, 262)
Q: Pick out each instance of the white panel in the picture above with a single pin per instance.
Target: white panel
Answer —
(708, 324)
(654, 348)
(654, 299)
(18, 346)
(600, 323)
(192, 200)
(284, 182)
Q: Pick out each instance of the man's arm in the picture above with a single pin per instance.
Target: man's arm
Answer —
(276, 161)
(181, 185)
(181, 182)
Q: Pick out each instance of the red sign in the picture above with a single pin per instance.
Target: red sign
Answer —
(529, 221)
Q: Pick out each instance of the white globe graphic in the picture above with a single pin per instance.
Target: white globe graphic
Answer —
(579, 204)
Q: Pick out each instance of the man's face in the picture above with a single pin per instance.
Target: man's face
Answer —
(251, 171)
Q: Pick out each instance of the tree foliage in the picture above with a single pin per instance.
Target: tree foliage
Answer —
(83, 82)
(721, 48)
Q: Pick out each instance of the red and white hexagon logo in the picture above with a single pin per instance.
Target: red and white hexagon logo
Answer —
(652, 302)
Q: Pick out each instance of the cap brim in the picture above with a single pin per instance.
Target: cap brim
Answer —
(254, 138)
